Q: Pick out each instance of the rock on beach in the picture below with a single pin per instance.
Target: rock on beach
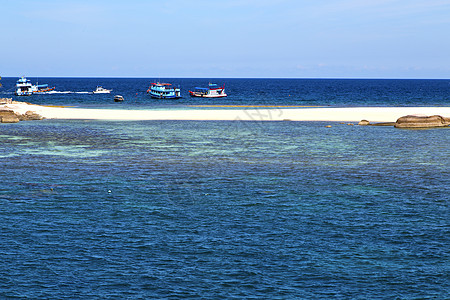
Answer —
(29, 116)
(5, 100)
(8, 115)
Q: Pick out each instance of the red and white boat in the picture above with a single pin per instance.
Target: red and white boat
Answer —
(212, 91)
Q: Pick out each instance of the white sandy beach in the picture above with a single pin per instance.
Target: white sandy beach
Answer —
(263, 113)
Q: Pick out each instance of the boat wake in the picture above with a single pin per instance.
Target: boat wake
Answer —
(65, 92)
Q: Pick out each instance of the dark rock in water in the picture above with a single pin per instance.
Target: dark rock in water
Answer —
(363, 123)
(8, 116)
(421, 122)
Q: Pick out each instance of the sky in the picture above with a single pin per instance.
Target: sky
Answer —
(225, 39)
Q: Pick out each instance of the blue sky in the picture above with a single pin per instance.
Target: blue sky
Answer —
(235, 38)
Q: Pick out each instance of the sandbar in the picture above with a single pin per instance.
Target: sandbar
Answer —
(253, 113)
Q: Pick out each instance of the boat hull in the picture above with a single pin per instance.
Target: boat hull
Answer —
(19, 93)
(44, 90)
(156, 96)
(194, 94)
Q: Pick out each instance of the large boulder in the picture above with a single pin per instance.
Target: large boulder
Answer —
(8, 116)
(419, 121)
(30, 115)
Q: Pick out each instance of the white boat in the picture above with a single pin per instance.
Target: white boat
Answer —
(101, 90)
(24, 87)
(212, 91)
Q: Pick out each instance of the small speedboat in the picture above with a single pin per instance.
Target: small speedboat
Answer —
(101, 90)
(118, 98)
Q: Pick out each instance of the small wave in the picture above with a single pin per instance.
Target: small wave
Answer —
(57, 92)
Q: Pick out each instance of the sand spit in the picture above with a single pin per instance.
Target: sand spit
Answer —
(263, 113)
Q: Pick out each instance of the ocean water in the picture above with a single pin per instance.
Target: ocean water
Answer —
(309, 92)
(229, 209)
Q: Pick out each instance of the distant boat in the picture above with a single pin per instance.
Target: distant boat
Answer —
(212, 91)
(163, 91)
(101, 90)
(24, 87)
(118, 98)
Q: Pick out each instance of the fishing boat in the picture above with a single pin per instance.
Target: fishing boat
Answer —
(43, 88)
(118, 98)
(212, 91)
(24, 87)
(163, 91)
(101, 90)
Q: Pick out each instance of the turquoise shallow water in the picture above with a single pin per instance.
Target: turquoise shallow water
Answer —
(181, 209)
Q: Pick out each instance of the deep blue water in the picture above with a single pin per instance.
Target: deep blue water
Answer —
(321, 92)
(207, 209)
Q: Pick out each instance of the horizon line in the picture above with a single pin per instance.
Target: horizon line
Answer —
(184, 77)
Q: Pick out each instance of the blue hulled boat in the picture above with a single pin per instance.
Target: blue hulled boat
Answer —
(163, 91)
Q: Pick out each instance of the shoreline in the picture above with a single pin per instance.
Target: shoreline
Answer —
(247, 113)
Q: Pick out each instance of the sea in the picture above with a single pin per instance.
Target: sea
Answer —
(98, 209)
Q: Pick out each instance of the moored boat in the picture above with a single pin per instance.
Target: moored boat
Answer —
(163, 91)
(118, 98)
(101, 90)
(212, 91)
